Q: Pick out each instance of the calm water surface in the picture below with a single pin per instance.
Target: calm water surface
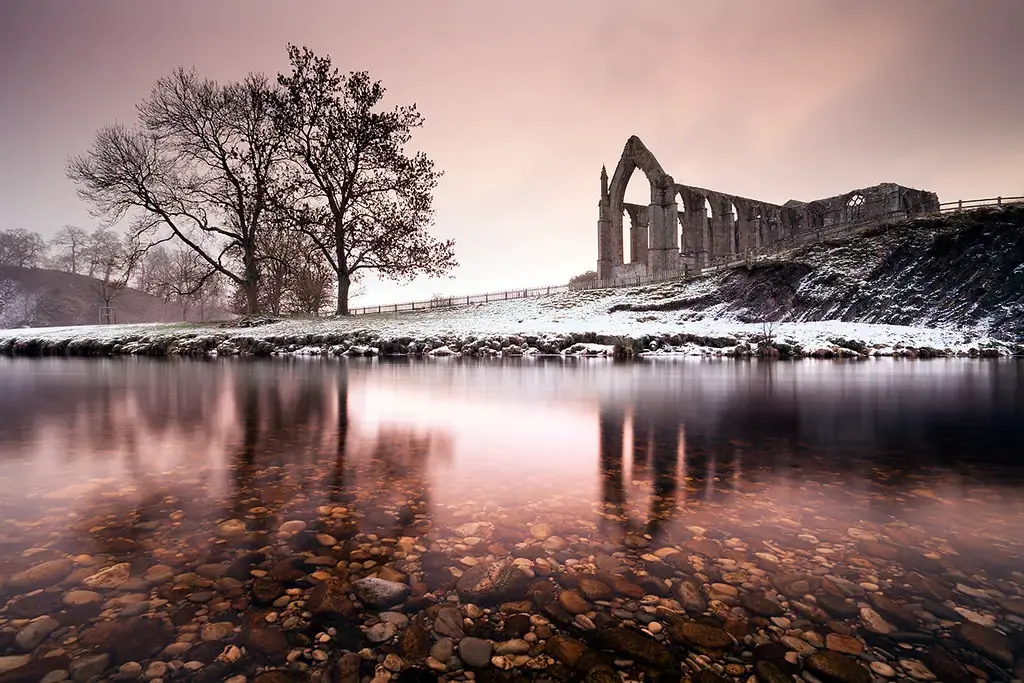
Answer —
(857, 478)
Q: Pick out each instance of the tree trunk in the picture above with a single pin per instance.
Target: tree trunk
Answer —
(344, 282)
(252, 280)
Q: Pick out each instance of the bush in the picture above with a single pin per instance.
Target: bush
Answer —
(583, 278)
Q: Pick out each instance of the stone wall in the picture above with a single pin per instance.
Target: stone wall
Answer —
(688, 227)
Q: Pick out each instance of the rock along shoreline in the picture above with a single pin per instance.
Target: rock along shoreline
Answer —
(365, 343)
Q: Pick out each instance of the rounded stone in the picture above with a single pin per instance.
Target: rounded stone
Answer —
(158, 573)
(541, 531)
(475, 652)
(41, 575)
(232, 528)
(219, 630)
(512, 647)
(845, 644)
(109, 578)
(79, 598)
(883, 669)
(701, 635)
(573, 602)
(292, 526)
(379, 593)
(35, 632)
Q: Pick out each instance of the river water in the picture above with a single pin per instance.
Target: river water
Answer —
(559, 519)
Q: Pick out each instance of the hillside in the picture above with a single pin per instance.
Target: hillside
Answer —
(930, 286)
(961, 271)
(36, 297)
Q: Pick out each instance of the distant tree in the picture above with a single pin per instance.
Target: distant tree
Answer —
(69, 244)
(18, 306)
(294, 276)
(200, 166)
(23, 248)
(113, 267)
(583, 278)
(102, 250)
(362, 200)
(311, 281)
(149, 275)
(179, 276)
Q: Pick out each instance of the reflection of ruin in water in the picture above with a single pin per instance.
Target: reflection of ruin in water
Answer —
(657, 455)
(652, 439)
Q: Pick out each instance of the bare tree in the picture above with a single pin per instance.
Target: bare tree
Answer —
(18, 306)
(294, 276)
(183, 280)
(200, 166)
(114, 266)
(310, 284)
(102, 251)
(359, 197)
(69, 243)
(150, 273)
(583, 280)
(178, 275)
(23, 248)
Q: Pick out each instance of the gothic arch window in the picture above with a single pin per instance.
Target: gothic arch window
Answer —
(681, 223)
(855, 206)
(627, 243)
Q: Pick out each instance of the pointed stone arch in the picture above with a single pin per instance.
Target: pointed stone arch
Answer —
(636, 155)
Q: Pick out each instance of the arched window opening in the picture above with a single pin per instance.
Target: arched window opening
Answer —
(684, 248)
(709, 240)
(855, 206)
(734, 218)
(638, 191)
(815, 216)
(627, 242)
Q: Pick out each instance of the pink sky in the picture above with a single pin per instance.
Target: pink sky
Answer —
(524, 101)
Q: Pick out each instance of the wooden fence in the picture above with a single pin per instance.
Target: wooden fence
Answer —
(968, 204)
(715, 264)
(453, 301)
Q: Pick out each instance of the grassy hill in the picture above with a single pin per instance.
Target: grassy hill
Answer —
(36, 297)
(961, 271)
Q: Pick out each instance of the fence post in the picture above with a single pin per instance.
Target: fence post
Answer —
(999, 201)
(960, 205)
(378, 309)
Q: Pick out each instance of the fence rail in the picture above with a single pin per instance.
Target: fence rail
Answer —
(453, 301)
(967, 204)
(715, 264)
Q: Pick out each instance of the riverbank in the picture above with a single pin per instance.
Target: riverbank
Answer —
(574, 324)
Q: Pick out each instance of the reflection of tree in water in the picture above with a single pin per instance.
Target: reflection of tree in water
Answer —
(394, 492)
(284, 419)
(297, 438)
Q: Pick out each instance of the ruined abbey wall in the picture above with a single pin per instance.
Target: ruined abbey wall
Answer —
(686, 227)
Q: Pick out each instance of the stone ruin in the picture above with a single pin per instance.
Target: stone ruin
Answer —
(686, 228)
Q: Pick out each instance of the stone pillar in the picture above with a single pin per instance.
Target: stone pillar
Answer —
(605, 244)
(604, 247)
(639, 240)
(743, 226)
(664, 243)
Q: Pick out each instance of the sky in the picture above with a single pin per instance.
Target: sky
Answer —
(524, 101)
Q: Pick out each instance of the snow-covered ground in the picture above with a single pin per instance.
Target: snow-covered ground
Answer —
(562, 320)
